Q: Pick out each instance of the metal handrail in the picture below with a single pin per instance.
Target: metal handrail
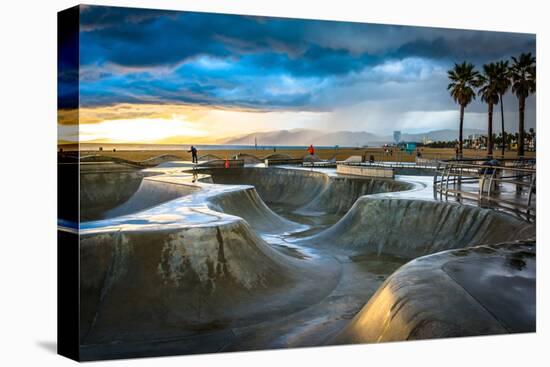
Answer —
(506, 168)
(487, 176)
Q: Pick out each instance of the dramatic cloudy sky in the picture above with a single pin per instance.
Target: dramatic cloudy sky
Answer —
(178, 76)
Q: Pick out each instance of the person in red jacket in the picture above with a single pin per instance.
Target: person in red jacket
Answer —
(311, 150)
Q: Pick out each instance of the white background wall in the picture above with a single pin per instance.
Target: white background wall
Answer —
(28, 181)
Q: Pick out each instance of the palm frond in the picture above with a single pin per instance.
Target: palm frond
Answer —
(464, 80)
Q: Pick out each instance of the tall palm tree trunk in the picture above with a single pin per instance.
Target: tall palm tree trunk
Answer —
(460, 137)
(502, 125)
(521, 136)
(490, 130)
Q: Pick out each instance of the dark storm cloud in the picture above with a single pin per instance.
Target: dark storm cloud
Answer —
(98, 17)
(145, 37)
(150, 56)
(475, 46)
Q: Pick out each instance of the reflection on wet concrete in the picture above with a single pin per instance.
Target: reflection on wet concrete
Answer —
(504, 283)
(380, 265)
(475, 291)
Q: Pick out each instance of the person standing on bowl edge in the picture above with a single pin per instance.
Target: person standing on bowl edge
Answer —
(193, 152)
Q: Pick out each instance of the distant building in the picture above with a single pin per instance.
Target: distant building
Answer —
(409, 147)
(396, 136)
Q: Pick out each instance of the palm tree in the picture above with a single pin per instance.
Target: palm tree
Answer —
(503, 84)
(463, 81)
(523, 73)
(489, 93)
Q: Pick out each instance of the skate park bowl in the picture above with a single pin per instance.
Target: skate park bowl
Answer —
(306, 196)
(180, 261)
(110, 194)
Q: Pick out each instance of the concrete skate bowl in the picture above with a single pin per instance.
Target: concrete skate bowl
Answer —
(465, 277)
(411, 228)
(305, 196)
(482, 290)
(192, 284)
(193, 273)
(247, 204)
(108, 194)
(190, 268)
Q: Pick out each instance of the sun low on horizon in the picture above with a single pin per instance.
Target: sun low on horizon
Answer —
(163, 77)
(174, 124)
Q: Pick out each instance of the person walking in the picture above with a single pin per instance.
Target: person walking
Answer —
(311, 150)
(193, 152)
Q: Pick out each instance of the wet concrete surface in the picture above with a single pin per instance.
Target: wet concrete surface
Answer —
(504, 283)
(290, 273)
(482, 290)
(356, 281)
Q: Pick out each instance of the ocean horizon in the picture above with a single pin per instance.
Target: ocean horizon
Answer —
(123, 146)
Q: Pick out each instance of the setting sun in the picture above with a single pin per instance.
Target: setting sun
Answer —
(139, 130)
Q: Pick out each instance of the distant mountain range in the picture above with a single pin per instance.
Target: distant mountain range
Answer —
(341, 138)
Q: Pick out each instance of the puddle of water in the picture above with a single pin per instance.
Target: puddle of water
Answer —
(381, 265)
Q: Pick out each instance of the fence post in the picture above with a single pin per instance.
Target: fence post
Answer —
(447, 182)
(531, 189)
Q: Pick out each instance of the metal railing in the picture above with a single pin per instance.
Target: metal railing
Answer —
(510, 186)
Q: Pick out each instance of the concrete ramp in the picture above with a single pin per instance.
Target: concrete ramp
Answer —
(151, 192)
(483, 290)
(305, 191)
(105, 190)
(116, 194)
(412, 228)
(147, 285)
(248, 205)
(275, 185)
(341, 192)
